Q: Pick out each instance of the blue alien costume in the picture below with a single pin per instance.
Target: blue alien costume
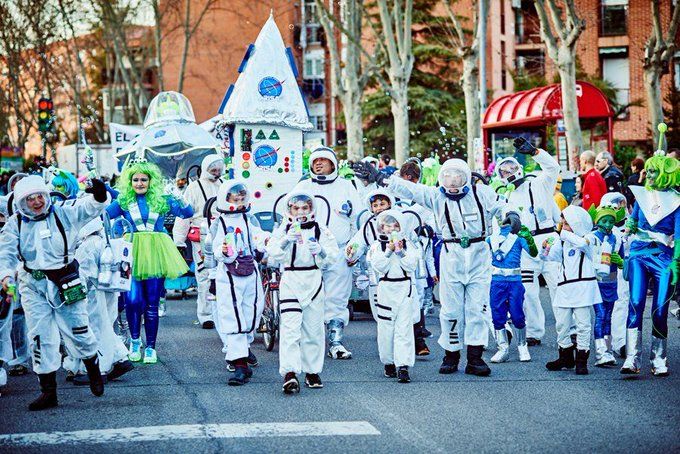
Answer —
(654, 251)
(144, 296)
(507, 290)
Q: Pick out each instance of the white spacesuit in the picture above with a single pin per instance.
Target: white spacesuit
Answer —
(394, 259)
(463, 212)
(239, 287)
(533, 199)
(102, 305)
(304, 249)
(338, 204)
(197, 194)
(44, 238)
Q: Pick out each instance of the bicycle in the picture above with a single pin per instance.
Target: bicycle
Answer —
(269, 323)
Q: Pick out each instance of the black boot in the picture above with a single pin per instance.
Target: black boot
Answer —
(565, 360)
(240, 375)
(582, 362)
(48, 398)
(402, 375)
(450, 362)
(93, 372)
(475, 363)
(390, 371)
(421, 347)
(120, 368)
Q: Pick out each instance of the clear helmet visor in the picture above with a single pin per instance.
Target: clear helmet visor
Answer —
(453, 180)
(216, 169)
(238, 195)
(388, 224)
(34, 205)
(300, 208)
(509, 170)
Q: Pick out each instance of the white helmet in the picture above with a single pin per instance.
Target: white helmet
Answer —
(509, 170)
(455, 177)
(613, 199)
(379, 192)
(579, 220)
(29, 186)
(300, 199)
(211, 161)
(327, 153)
(231, 189)
(371, 160)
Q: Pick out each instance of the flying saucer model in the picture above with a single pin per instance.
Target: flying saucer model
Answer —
(266, 115)
(171, 138)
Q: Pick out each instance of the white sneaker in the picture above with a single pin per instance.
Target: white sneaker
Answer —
(501, 356)
(523, 351)
(162, 310)
(339, 352)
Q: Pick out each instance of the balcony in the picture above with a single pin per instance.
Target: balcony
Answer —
(527, 24)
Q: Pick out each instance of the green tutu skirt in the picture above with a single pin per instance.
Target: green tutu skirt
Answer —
(155, 255)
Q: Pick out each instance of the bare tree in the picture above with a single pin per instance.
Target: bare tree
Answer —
(560, 29)
(659, 51)
(466, 45)
(349, 75)
(189, 28)
(396, 41)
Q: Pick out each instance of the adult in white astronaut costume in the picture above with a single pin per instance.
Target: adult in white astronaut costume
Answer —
(464, 212)
(43, 237)
(102, 306)
(533, 199)
(197, 194)
(394, 258)
(304, 253)
(240, 300)
(340, 197)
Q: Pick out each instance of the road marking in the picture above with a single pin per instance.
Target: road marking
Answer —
(187, 431)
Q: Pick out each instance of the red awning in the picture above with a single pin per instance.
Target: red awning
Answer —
(543, 105)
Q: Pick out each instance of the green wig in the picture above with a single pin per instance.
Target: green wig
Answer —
(155, 198)
(667, 170)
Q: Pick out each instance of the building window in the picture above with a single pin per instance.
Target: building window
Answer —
(527, 25)
(314, 33)
(314, 66)
(319, 122)
(616, 71)
(613, 17)
(530, 64)
(310, 12)
(504, 72)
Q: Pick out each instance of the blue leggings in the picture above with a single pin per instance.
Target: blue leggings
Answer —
(642, 268)
(507, 296)
(143, 300)
(603, 319)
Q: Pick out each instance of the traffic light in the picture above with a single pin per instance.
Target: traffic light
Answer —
(45, 115)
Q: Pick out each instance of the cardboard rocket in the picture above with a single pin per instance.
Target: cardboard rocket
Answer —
(266, 115)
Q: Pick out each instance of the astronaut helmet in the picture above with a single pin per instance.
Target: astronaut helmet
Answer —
(509, 170)
(390, 225)
(32, 197)
(455, 178)
(300, 208)
(379, 200)
(212, 167)
(233, 197)
(328, 154)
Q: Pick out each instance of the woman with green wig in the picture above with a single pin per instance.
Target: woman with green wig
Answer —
(155, 257)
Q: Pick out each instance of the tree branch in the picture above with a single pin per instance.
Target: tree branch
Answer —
(546, 32)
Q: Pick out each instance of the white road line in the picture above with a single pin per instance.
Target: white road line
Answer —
(191, 431)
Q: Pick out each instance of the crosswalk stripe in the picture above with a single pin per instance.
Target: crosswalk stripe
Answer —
(191, 431)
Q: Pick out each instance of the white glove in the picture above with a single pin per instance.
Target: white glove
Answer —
(314, 247)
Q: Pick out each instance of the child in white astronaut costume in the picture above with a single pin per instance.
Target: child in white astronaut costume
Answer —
(44, 237)
(197, 194)
(304, 249)
(102, 307)
(394, 258)
(377, 201)
(338, 204)
(236, 238)
(464, 212)
(577, 289)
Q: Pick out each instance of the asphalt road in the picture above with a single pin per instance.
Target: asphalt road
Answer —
(176, 405)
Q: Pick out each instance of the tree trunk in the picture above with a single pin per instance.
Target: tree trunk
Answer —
(399, 105)
(567, 70)
(157, 40)
(185, 49)
(470, 83)
(351, 107)
(652, 78)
